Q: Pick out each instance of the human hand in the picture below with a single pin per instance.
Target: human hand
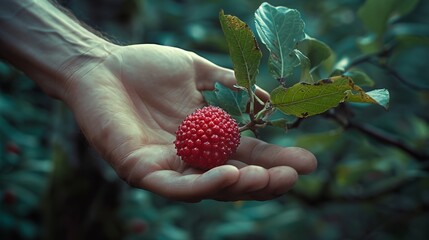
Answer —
(130, 105)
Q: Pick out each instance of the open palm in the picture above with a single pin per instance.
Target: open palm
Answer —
(129, 106)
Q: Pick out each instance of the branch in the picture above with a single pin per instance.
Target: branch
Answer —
(383, 53)
(383, 137)
(379, 135)
(295, 124)
(375, 59)
(401, 79)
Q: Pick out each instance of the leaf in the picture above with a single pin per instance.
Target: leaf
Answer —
(419, 30)
(243, 49)
(233, 102)
(304, 100)
(359, 78)
(404, 43)
(381, 96)
(280, 28)
(375, 14)
(369, 44)
(305, 76)
(280, 123)
(315, 50)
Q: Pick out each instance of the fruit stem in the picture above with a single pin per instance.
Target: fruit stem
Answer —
(258, 120)
(265, 112)
(258, 99)
(251, 104)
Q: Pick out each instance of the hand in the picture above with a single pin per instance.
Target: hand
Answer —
(130, 105)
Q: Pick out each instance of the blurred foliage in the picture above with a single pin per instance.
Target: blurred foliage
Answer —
(372, 179)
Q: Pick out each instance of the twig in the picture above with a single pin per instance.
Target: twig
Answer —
(383, 137)
(375, 59)
(396, 75)
(295, 124)
(380, 136)
(383, 53)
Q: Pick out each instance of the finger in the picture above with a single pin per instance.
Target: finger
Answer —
(193, 187)
(237, 164)
(256, 152)
(262, 94)
(208, 73)
(251, 178)
(280, 180)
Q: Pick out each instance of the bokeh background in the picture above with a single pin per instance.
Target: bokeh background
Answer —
(372, 180)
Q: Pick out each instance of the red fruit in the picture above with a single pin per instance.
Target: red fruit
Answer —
(9, 197)
(12, 148)
(207, 138)
(137, 225)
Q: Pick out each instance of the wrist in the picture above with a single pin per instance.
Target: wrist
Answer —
(76, 68)
(48, 45)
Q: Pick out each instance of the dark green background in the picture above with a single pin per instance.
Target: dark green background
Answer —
(371, 183)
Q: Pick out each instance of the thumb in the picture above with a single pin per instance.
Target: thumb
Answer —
(208, 73)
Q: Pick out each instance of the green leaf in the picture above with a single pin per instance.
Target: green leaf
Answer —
(233, 102)
(378, 96)
(410, 35)
(280, 28)
(304, 100)
(280, 123)
(359, 78)
(305, 76)
(404, 43)
(409, 29)
(375, 14)
(315, 50)
(243, 49)
(369, 44)
(381, 96)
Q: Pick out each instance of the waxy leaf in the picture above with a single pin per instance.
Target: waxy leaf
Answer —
(315, 50)
(359, 78)
(243, 49)
(305, 67)
(233, 102)
(380, 96)
(375, 14)
(304, 100)
(280, 28)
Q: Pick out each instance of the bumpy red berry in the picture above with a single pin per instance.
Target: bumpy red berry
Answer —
(207, 138)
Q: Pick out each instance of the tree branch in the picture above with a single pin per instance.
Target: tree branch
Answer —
(383, 137)
(398, 76)
(379, 135)
(383, 53)
(375, 59)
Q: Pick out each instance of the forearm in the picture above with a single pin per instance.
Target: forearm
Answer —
(46, 44)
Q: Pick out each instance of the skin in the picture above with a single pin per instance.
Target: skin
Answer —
(129, 100)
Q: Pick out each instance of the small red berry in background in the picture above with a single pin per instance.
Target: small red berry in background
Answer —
(207, 138)
(137, 226)
(12, 148)
(9, 197)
